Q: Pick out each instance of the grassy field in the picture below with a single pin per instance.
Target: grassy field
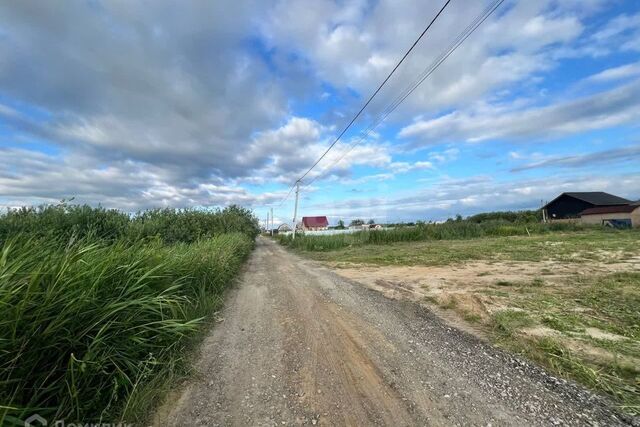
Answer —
(99, 306)
(567, 298)
(578, 246)
(586, 328)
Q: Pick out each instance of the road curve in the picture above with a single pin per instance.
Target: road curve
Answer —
(298, 345)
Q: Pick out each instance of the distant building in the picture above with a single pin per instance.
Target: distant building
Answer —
(625, 216)
(283, 228)
(570, 205)
(313, 223)
(365, 227)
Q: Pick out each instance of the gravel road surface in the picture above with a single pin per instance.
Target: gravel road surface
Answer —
(298, 345)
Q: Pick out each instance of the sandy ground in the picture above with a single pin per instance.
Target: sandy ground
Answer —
(465, 282)
(300, 345)
(471, 276)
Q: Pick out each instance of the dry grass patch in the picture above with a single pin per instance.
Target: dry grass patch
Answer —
(576, 313)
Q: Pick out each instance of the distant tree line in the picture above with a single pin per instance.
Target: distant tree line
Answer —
(514, 217)
(356, 222)
(507, 216)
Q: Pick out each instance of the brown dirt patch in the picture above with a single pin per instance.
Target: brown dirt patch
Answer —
(467, 295)
(473, 285)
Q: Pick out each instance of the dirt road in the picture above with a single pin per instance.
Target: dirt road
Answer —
(301, 346)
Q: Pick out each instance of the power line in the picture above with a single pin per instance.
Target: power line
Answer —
(413, 86)
(288, 194)
(372, 96)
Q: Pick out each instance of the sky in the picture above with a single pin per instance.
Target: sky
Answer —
(136, 105)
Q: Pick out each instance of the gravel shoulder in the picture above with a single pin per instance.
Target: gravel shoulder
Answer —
(301, 345)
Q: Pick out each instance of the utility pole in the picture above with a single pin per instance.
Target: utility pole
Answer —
(271, 222)
(295, 209)
(266, 224)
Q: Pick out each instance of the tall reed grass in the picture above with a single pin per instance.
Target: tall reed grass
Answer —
(422, 232)
(65, 221)
(86, 324)
(98, 306)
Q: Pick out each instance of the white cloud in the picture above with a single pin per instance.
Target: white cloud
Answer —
(445, 156)
(616, 73)
(357, 50)
(619, 34)
(447, 196)
(287, 152)
(126, 185)
(611, 156)
(378, 177)
(623, 28)
(160, 84)
(404, 167)
(610, 108)
(183, 104)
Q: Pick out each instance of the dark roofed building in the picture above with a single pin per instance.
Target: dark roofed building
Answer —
(600, 198)
(315, 222)
(570, 205)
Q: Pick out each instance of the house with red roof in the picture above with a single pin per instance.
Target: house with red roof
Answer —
(313, 223)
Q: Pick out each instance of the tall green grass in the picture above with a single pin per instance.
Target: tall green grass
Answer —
(64, 222)
(422, 232)
(86, 324)
(98, 306)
